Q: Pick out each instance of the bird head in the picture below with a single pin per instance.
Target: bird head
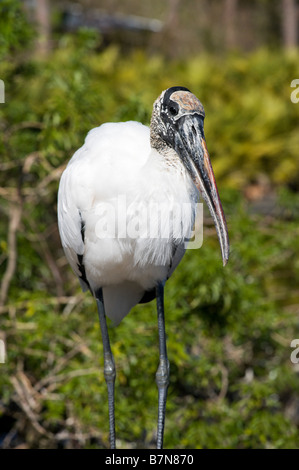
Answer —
(178, 122)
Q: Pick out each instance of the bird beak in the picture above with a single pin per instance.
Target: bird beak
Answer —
(190, 144)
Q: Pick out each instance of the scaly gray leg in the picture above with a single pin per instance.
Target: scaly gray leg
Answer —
(162, 375)
(109, 367)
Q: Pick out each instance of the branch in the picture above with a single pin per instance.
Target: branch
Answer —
(15, 212)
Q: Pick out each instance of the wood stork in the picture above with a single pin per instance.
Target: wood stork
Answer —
(123, 172)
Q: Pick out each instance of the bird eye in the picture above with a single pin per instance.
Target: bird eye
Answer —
(174, 111)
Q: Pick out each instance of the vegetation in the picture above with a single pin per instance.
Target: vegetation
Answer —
(229, 330)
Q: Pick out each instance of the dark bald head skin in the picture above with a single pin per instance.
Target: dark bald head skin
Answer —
(171, 105)
(179, 101)
(177, 133)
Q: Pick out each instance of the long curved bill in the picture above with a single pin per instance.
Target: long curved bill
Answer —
(191, 146)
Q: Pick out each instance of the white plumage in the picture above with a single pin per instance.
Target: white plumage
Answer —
(116, 167)
(126, 208)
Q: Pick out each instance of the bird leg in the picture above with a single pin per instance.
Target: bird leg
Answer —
(162, 374)
(109, 367)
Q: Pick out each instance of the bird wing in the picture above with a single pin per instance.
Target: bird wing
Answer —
(178, 253)
(71, 226)
(108, 150)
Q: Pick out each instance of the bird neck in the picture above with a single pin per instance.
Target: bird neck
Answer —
(156, 141)
(165, 155)
(159, 144)
(165, 159)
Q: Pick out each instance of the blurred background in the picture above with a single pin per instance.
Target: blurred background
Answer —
(68, 67)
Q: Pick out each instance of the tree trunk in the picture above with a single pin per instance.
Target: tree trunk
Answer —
(42, 15)
(169, 39)
(289, 23)
(230, 14)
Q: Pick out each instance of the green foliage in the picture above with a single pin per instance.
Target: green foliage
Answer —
(15, 31)
(229, 329)
(251, 124)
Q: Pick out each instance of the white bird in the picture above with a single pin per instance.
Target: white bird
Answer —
(126, 207)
